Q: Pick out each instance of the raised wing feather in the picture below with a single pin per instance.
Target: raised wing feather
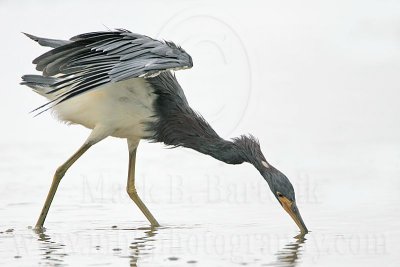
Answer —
(93, 59)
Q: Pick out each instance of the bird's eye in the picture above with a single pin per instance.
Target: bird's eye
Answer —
(279, 194)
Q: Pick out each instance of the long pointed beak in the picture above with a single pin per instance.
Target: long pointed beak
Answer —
(295, 214)
(293, 211)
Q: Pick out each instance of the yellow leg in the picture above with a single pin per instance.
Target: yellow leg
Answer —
(132, 190)
(56, 181)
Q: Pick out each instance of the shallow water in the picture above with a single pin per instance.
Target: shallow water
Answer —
(216, 217)
(316, 82)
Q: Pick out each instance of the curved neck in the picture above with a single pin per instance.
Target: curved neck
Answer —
(177, 124)
(191, 131)
(218, 148)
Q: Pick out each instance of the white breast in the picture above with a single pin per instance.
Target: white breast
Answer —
(121, 107)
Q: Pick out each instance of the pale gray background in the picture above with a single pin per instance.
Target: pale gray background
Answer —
(316, 81)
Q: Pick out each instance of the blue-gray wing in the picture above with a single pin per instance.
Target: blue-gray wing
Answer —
(47, 42)
(93, 59)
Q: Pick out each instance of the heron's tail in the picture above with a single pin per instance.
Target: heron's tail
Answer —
(40, 84)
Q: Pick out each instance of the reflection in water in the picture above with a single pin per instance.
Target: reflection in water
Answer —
(53, 253)
(290, 254)
(50, 250)
(142, 246)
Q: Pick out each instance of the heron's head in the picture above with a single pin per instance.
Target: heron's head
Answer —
(279, 184)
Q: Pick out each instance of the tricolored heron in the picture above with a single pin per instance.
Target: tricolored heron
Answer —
(118, 83)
